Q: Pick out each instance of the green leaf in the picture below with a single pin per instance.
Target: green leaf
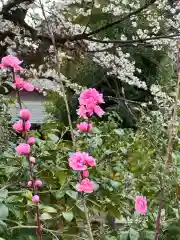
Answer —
(59, 194)
(80, 206)
(114, 211)
(98, 141)
(4, 212)
(3, 227)
(133, 234)
(96, 130)
(124, 235)
(28, 194)
(10, 170)
(68, 216)
(115, 184)
(119, 131)
(49, 209)
(72, 194)
(45, 216)
(3, 194)
(149, 235)
(61, 176)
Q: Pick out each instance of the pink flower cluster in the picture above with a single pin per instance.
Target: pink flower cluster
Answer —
(13, 63)
(23, 125)
(79, 161)
(89, 102)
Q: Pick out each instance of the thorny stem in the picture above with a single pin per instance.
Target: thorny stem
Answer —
(171, 135)
(59, 73)
(25, 135)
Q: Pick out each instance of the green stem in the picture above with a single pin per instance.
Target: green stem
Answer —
(90, 234)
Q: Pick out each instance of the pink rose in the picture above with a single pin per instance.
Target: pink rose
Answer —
(84, 127)
(141, 204)
(86, 186)
(31, 140)
(25, 114)
(99, 111)
(19, 126)
(91, 94)
(35, 199)
(90, 161)
(18, 82)
(89, 101)
(38, 183)
(29, 183)
(28, 87)
(77, 161)
(11, 61)
(23, 149)
(86, 174)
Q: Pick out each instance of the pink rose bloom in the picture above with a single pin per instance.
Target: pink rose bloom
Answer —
(141, 204)
(31, 140)
(19, 126)
(30, 183)
(84, 127)
(86, 174)
(38, 183)
(99, 111)
(18, 82)
(11, 61)
(91, 94)
(82, 112)
(23, 149)
(85, 111)
(90, 161)
(35, 199)
(86, 186)
(25, 114)
(77, 161)
(28, 87)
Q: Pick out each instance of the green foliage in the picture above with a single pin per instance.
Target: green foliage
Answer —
(128, 164)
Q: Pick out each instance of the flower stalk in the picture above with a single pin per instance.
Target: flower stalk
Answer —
(31, 166)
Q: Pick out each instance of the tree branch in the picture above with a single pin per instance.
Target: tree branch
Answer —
(12, 4)
(149, 3)
(115, 41)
